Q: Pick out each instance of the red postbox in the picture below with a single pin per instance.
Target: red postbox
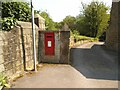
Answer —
(49, 43)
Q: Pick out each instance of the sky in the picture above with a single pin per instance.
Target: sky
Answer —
(59, 9)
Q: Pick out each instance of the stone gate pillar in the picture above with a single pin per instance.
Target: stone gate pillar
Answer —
(113, 31)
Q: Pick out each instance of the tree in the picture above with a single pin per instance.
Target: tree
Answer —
(80, 25)
(17, 10)
(12, 11)
(70, 21)
(94, 19)
(49, 23)
(59, 25)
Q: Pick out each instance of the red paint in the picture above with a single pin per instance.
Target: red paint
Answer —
(49, 43)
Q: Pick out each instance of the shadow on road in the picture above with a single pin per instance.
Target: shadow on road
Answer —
(96, 62)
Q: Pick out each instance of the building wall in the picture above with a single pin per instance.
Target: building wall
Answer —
(112, 34)
(16, 49)
(10, 52)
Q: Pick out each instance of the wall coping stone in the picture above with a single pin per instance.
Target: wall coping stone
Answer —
(115, 0)
(26, 25)
(38, 16)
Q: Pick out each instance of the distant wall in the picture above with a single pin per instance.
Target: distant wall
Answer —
(113, 34)
(16, 49)
(71, 41)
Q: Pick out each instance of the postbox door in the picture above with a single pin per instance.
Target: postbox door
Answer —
(49, 43)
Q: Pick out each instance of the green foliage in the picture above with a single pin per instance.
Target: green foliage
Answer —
(80, 25)
(3, 81)
(14, 1)
(80, 38)
(71, 34)
(59, 25)
(93, 21)
(12, 11)
(8, 23)
(70, 21)
(37, 11)
(18, 10)
(49, 23)
(76, 33)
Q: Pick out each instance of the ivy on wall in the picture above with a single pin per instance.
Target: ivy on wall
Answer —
(13, 11)
(8, 23)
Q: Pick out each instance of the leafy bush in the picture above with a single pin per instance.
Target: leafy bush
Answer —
(76, 33)
(3, 81)
(80, 38)
(18, 10)
(8, 23)
(12, 11)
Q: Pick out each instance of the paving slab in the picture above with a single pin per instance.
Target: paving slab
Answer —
(92, 67)
(61, 76)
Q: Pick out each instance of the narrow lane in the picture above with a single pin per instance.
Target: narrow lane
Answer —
(92, 67)
(95, 62)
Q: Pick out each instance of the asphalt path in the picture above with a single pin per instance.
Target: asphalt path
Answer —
(92, 66)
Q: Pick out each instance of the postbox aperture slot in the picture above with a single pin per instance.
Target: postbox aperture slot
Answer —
(49, 36)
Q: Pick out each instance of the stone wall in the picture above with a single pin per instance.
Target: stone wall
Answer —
(16, 49)
(64, 46)
(61, 48)
(40, 22)
(49, 59)
(10, 52)
(71, 41)
(112, 34)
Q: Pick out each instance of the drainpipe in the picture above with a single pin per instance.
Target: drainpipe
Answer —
(33, 37)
